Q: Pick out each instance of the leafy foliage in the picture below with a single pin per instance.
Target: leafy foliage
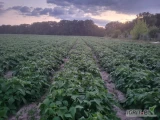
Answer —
(139, 29)
(134, 68)
(78, 92)
(153, 31)
(33, 68)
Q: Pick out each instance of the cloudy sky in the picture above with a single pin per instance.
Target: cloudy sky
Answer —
(16, 12)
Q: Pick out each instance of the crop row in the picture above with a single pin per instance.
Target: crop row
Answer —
(78, 92)
(146, 54)
(32, 77)
(13, 54)
(141, 85)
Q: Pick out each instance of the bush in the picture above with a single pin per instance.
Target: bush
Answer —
(116, 33)
(153, 32)
(139, 29)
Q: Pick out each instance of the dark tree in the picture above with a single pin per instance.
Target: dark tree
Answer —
(64, 27)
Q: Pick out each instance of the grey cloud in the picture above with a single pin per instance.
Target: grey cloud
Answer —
(82, 2)
(35, 12)
(45, 11)
(23, 9)
(60, 12)
(81, 16)
(1, 5)
(122, 6)
(56, 11)
(29, 11)
(2, 10)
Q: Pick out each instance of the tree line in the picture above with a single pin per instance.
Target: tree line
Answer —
(64, 27)
(146, 24)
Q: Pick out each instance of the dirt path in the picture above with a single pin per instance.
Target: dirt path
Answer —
(8, 74)
(120, 112)
(32, 111)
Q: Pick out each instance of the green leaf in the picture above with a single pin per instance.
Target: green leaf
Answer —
(86, 113)
(99, 115)
(68, 115)
(52, 105)
(72, 110)
(3, 113)
(65, 103)
(58, 103)
(82, 118)
(97, 101)
(87, 102)
(32, 92)
(46, 102)
(56, 118)
(79, 107)
(24, 100)
(63, 110)
(28, 92)
(11, 100)
(51, 111)
(74, 97)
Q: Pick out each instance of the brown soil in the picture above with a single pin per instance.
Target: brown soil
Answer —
(121, 113)
(112, 88)
(8, 74)
(28, 112)
(65, 61)
(118, 95)
(31, 111)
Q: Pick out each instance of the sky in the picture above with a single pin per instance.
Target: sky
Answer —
(15, 12)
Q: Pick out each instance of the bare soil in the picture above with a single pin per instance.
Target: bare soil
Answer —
(8, 74)
(65, 61)
(28, 112)
(32, 111)
(112, 88)
(121, 113)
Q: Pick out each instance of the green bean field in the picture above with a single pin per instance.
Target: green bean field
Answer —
(44, 77)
